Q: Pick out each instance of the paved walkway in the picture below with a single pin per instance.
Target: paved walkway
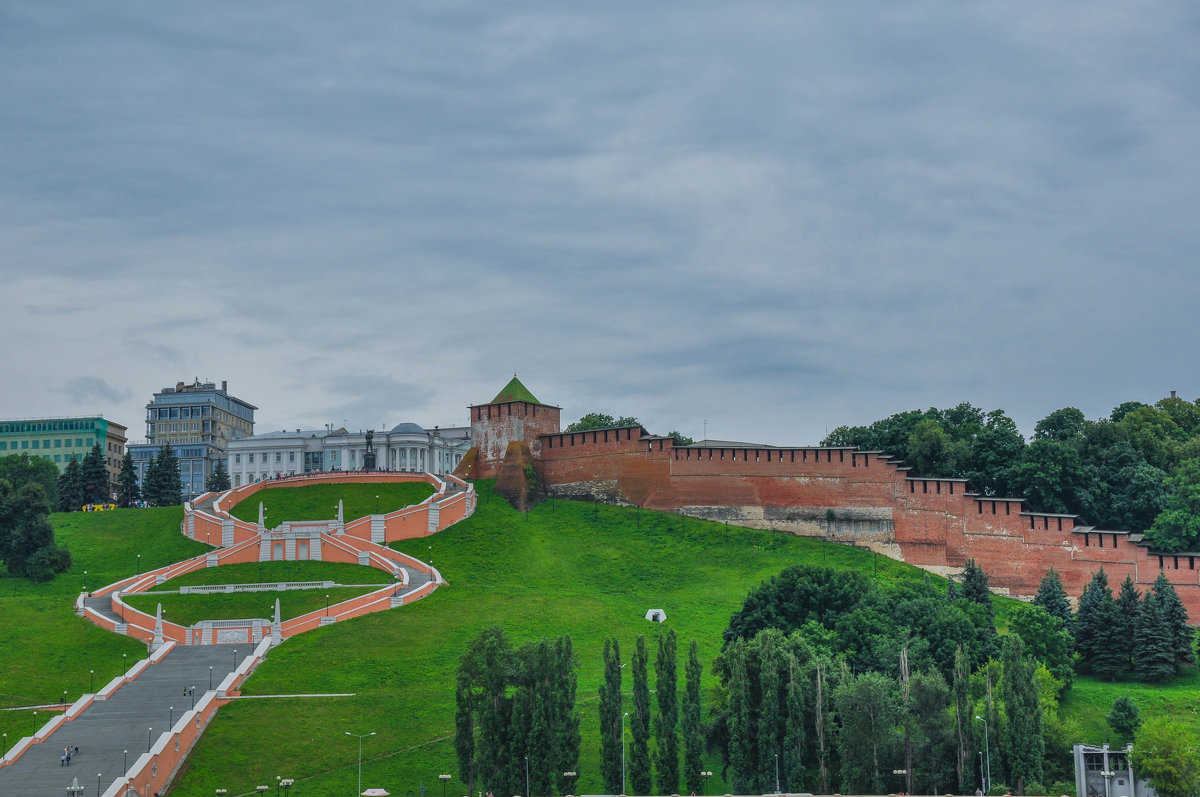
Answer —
(120, 723)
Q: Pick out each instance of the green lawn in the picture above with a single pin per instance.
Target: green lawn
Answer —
(189, 609)
(1084, 706)
(319, 501)
(44, 647)
(565, 568)
(267, 572)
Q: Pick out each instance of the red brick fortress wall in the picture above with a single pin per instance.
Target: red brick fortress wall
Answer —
(853, 496)
(494, 426)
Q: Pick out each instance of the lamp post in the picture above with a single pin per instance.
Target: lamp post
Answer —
(139, 565)
(4, 754)
(125, 763)
(704, 776)
(326, 604)
(278, 779)
(376, 505)
(221, 792)
(988, 750)
(124, 665)
(569, 779)
(35, 721)
(1108, 774)
(91, 681)
(900, 773)
(526, 777)
(98, 776)
(235, 658)
(262, 789)
(85, 582)
(210, 677)
(443, 778)
(64, 696)
(149, 736)
(286, 785)
(982, 784)
(623, 752)
(360, 737)
(170, 717)
(777, 789)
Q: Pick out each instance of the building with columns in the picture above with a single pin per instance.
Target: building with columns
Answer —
(405, 448)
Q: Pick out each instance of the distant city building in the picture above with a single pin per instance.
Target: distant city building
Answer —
(58, 439)
(405, 448)
(199, 421)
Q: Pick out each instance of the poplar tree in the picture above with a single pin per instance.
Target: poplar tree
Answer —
(666, 722)
(70, 487)
(963, 719)
(611, 723)
(568, 742)
(794, 719)
(869, 741)
(769, 731)
(693, 731)
(741, 749)
(639, 722)
(1021, 735)
(127, 485)
(1052, 597)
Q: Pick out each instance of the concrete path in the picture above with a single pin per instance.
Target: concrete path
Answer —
(120, 723)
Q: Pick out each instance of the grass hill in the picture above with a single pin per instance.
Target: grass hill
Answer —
(319, 501)
(564, 567)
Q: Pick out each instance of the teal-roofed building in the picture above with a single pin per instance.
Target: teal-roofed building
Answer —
(58, 439)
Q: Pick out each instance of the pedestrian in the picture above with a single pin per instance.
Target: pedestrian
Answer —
(76, 749)
(68, 756)
(62, 760)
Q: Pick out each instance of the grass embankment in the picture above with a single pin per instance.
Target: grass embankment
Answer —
(44, 647)
(1086, 704)
(565, 568)
(319, 501)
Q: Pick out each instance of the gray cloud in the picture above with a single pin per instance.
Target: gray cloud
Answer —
(92, 390)
(774, 216)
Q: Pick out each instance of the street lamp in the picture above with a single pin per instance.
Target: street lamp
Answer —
(900, 773)
(526, 777)
(85, 582)
(623, 752)
(98, 776)
(222, 791)
(149, 735)
(125, 763)
(777, 789)
(981, 781)
(262, 789)
(704, 776)
(91, 681)
(210, 677)
(124, 666)
(376, 505)
(326, 604)
(988, 750)
(170, 717)
(139, 565)
(360, 737)
(443, 778)
(235, 658)
(286, 784)
(1107, 774)
(569, 777)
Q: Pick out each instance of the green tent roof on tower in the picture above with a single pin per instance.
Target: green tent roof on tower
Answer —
(514, 391)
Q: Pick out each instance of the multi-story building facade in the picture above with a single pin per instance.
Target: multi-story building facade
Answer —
(199, 421)
(59, 439)
(406, 447)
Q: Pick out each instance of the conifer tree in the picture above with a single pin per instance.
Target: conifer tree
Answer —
(612, 726)
(1021, 738)
(693, 731)
(639, 722)
(566, 721)
(127, 485)
(95, 477)
(1053, 598)
(1182, 635)
(170, 488)
(1087, 621)
(1129, 609)
(666, 722)
(70, 487)
(1154, 651)
(151, 481)
(218, 480)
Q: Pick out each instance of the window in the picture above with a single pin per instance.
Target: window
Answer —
(237, 459)
(3, 446)
(24, 444)
(78, 441)
(58, 457)
(250, 459)
(291, 456)
(37, 443)
(279, 456)
(58, 443)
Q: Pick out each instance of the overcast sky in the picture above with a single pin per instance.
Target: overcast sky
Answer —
(773, 217)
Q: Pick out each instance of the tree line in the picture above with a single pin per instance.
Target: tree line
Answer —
(1138, 469)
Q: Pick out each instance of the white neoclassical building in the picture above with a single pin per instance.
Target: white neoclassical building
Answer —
(405, 448)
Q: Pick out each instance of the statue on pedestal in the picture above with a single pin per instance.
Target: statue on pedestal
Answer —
(369, 456)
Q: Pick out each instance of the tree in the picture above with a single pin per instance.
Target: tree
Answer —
(96, 489)
(666, 722)
(1175, 617)
(168, 488)
(693, 729)
(680, 439)
(1053, 478)
(1061, 425)
(741, 756)
(1021, 735)
(566, 716)
(218, 480)
(599, 420)
(639, 722)
(21, 469)
(1052, 597)
(932, 742)
(1045, 640)
(1154, 649)
(27, 545)
(128, 492)
(1178, 527)
(868, 741)
(975, 587)
(963, 719)
(1087, 621)
(1129, 610)
(70, 487)
(1163, 752)
(1124, 719)
(612, 726)
(151, 481)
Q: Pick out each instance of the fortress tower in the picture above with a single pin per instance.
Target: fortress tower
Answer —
(514, 415)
